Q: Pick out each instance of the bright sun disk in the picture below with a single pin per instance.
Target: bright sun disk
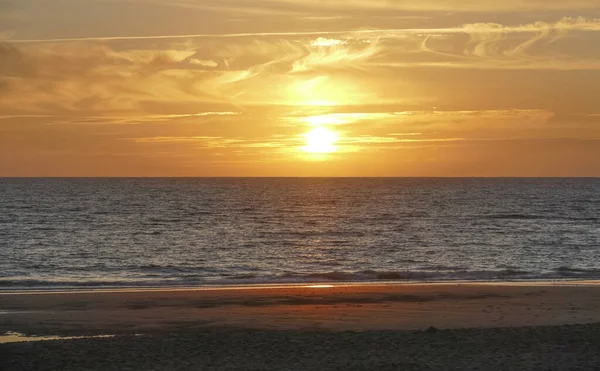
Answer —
(320, 140)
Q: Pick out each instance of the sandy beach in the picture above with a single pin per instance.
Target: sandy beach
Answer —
(320, 327)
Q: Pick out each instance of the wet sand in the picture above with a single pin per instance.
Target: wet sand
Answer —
(359, 327)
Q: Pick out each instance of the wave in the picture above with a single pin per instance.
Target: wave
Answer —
(49, 284)
(538, 217)
(577, 272)
(147, 233)
(514, 216)
(428, 275)
(178, 280)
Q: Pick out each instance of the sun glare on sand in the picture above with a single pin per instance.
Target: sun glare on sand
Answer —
(320, 140)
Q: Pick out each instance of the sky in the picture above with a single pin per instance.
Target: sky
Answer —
(233, 87)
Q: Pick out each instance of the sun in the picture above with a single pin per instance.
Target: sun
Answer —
(321, 140)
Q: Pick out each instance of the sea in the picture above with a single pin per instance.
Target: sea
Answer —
(148, 232)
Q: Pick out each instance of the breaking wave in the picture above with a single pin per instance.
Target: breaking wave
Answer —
(560, 273)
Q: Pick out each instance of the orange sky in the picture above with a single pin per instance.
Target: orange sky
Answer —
(231, 87)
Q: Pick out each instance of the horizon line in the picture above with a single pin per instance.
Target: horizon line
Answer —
(305, 177)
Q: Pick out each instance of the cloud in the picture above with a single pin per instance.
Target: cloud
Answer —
(93, 78)
(564, 24)
(323, 8)
(453, 5)
(390, 130)
(342, 54)
(486, 38)
(114, 120)
(290, 145)
(366, 139)
(96, 77)
(203, 63)
(496, 46)
(471, 124)
(271, 144)
(14, 62)
(323, 38)
(425, 118)
(239, 71)
(487, 46)
(382, 131)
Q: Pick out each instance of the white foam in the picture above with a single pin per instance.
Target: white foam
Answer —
(16, 337)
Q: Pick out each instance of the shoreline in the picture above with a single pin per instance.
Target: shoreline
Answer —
(250, 286)
(324, 307)
(412, 327)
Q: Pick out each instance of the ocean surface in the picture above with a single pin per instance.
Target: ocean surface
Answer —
(74, 233)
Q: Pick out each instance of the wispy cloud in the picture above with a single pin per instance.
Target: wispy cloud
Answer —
(453, 5)
(321, 37)
(351, 6)
(247, 69)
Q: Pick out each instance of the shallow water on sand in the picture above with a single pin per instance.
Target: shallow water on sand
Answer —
(63, 233)
(15, 337)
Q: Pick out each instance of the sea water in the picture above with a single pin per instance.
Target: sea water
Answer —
(69, 233)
